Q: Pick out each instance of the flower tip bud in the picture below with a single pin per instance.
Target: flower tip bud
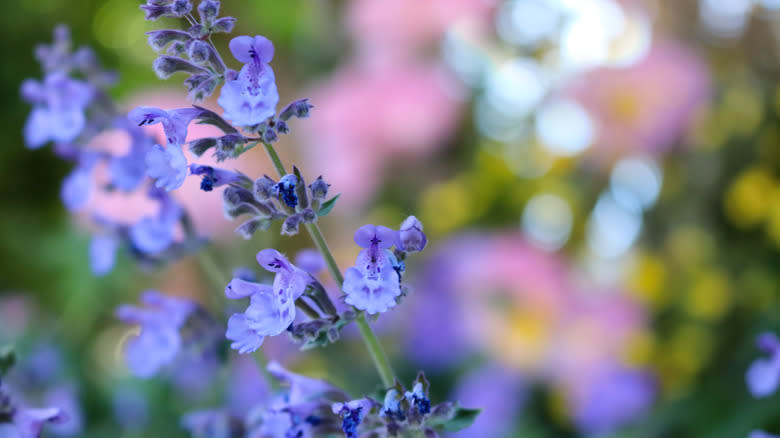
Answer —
(411, 235)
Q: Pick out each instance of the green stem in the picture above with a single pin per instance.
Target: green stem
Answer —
(369, 338)
(275, 159)
(375, 350)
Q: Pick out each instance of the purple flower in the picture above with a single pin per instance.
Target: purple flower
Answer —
(763, 375)
(77, 186)
(761, 434)
(128, 171)
(167, 165)
(215, 177)
(310, 260)
(153, 234)
(499, 392)
(304, 389)
(66, 398)
(412, 238)
(102, 253)
(159, 341)
(373, 283)
(612, 399)
(271, 309)
(58, 109)
(252, 97)
(352, 413)
(29, 422)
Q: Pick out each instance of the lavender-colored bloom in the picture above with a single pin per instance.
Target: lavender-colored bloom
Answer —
(763, 375)
(499, 392)
(761, 434)
(167, 165)
(159, 341)
(373, 283)
(304, 389)
(310, 260)
(153, 234)
(616, 397)
(252, 97)
(285, 190)
(352, 413)
(28, 423)
(128, 171)
(412, 238)
(215, 177)
(66, 399)
(272, 308)
(58, 109)
(102, 253)
(77, 186)
(208, 423)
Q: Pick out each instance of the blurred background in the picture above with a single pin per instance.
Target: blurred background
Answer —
(599, 181)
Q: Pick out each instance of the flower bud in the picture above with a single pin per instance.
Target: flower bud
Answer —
(224, 25)
(299, 108)
(411, 235)
(309, 216)
(199, 52)
(282, 127)
(291, 225)
(165, 66)
(158, 39)
(180, 8)
(248, 228)
(208, 10)
(319, 189)
(285, 190)
(269, 136)
(263, 188)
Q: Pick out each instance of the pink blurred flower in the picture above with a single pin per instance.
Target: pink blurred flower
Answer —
(402, 27)
(647, 106)
(365, 118)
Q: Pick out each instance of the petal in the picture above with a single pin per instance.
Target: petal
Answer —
(238, 288)
(37, 129)
(240, 47)
(76, 188)
(147, 115)
(272, 260)
(364, 235)
(246, 340)
(763, 377)
(102, 253)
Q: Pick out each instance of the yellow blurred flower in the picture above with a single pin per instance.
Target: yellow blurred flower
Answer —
(748, 199)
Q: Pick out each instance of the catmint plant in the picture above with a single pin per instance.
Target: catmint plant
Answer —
(176, 334)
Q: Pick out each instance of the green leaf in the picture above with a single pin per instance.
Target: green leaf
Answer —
(327, 206)
(462, 419)
(7, 359)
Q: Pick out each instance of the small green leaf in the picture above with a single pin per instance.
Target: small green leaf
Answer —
(462, 419)
(327, 206)
(7, 359)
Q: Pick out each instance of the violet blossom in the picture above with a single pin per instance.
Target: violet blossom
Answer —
(763, 375)
(252, 97)
(159, 341)
(272, 308)
(373, 283)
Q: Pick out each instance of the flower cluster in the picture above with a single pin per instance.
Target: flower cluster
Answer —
(266, 200)
(178, 335)
(73, 113)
